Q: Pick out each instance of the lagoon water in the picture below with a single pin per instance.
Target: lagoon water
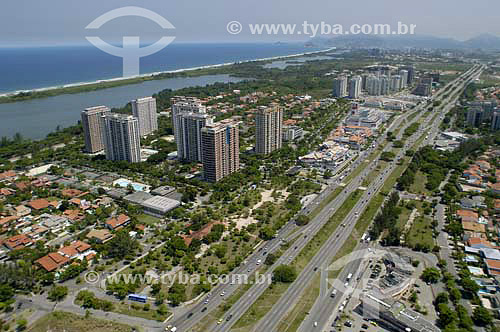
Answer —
(38, 117)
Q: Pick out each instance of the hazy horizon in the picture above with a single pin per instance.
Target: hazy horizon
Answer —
(63, 23)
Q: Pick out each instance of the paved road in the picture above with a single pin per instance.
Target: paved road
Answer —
(213, 299)
(323, 308)
(278, 312)
(242, 305)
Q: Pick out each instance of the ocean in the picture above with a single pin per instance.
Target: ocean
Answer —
(35, 68)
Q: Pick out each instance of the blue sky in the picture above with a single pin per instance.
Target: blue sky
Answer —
(35, 22)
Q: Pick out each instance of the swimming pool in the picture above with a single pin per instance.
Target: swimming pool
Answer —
(124, 183)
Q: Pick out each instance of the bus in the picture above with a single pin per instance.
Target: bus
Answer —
(138, 298)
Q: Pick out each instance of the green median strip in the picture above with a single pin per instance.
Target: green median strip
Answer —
(272, 294)
(303, 307)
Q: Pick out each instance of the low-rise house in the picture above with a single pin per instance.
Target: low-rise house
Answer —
(17, 242)
(473, 227)
(479, 243)
(118, 222)
(42, 203)
(6, 222)
(37, 231)
(100, 235)
(104, 201)
(468, 216)
(71, 192)
(52, 261)
(473, 203)
(54, 222)
(74, 215)
(490, 253)
(496, 188)
(21, 211)
(8, 175)
(493, 267)
(4, 192)
(497, 205)
(76, 250)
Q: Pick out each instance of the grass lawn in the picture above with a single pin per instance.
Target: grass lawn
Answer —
(374, 173)
(128, 309)
(147, 219)
(59, 321)
(324, 202)
(420, 233)
(418, 186)
(404, 216)
(216, 314)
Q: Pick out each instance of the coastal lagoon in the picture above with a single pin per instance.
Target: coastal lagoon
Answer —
(37, 117)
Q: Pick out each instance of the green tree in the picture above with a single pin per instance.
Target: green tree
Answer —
(270, 259)
(285, 274)
(430, 275)
(481, 316)
(22, 324)
(121, 245)
(266, 233)
(57, 293)
(303, 220)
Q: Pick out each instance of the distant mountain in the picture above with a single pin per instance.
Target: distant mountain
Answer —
(484, 42)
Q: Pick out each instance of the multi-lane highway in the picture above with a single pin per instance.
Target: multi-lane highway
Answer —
(212, 300)
(327, 251)
(325, 308)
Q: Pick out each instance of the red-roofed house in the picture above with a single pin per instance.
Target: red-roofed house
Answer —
(77, 249)
(39, 204)
(477, 242)
(71, 192)
(18, 242)
(52, 261)
(467, 215)
(118, 222)
(74, 215)
(8, 175)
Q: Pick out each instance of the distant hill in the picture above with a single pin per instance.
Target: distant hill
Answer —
(484, 41)
(487, 42)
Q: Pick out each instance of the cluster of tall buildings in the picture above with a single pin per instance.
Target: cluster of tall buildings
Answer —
(119, 135)
(200, 139)
(189, 116)
(379, 80)
(482, 111)
(216, 144)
